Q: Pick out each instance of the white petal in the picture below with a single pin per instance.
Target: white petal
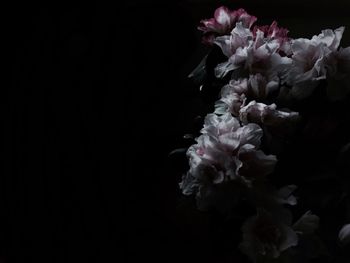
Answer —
(290, 238)
(250, 134)
(222, 69)
(344, 234)
(307, 223)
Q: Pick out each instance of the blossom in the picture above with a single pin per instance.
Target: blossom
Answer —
(266, 236)
(266, 114)
(240, 37)
(310, 61)
(234, 95)
(225, 152)
(254, 53)
(274, 32)
(223, 22)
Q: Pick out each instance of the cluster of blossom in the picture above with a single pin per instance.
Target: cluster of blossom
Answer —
(268, 71)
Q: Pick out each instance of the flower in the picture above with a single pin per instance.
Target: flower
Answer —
(225, 152)
(254, 53)
(235, 94)
(310, 61)
(266, 114)
(232, 97)
(223, 22)
(264, 236)
(273, 31)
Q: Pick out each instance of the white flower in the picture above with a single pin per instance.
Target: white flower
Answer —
(234, 95)
(239, 37)
(331, 39)
(255, 53)
(225, 152)
(265, 236)
(274, 32)
(310, 59)
(266, 114)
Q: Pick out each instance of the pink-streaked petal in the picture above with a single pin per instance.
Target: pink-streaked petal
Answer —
(222, 16)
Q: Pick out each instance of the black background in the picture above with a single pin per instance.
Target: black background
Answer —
(99, 97)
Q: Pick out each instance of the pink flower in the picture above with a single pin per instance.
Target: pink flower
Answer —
(274, 32)
(223, 22)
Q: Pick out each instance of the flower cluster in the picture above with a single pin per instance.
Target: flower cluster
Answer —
(267, 72)
(225, 153)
